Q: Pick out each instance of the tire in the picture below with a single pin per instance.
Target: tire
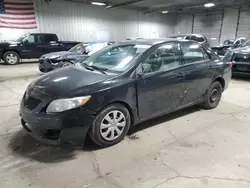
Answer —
(11, 58)
(213, 96)
(66, 64)
(100, 127)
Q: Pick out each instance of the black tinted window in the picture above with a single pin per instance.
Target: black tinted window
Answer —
(39, 39)
(193, 53)
(163, 58)
(50, 38)
(200, 39)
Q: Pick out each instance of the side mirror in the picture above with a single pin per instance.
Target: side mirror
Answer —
(140, 74)
(25, 42)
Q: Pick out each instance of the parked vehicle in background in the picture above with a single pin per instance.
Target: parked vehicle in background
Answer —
(51, 61)
(32, 45)
(240, 58)
(195, 37)
(121, 86)
(228, 44)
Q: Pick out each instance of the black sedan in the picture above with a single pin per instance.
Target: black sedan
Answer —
(78, 53)
(240, 58)
(121, 86)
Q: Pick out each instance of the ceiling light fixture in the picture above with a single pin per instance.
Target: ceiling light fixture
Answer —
(98, 3)
(209, 5)
(165, 12)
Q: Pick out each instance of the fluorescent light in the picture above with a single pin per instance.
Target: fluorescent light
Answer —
(208, 5)
(98, 3)
(165, 12)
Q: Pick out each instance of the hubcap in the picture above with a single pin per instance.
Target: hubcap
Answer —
(214, 95)
(11, 58)
(112, 125)
(66, 64)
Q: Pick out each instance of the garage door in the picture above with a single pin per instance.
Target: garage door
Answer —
(244, 23)
(209, 25)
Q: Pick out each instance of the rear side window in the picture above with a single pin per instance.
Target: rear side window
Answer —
(200, 39)
(50, 38)
(193, 53)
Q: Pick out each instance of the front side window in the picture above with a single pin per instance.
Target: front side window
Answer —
(163, 58)
(115, 58)
(79, 48)
(193, 53)
(30, 39)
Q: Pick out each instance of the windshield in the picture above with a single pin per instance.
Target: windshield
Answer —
(20, 39)
(246, 44)
(115, 58)
(79, 48)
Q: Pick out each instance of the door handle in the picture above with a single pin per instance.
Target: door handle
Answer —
(180, 75)
(210, 67)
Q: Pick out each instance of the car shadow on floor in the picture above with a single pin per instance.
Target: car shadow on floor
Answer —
(24, 145)
(25, 61)
(162, 119)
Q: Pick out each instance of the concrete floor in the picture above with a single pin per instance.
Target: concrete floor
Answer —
(190, 148)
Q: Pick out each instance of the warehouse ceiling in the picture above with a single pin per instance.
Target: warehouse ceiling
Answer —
(176, 6)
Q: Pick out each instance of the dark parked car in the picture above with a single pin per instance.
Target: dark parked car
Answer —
(120, 86)
(51, 61)
(228, 44)
(240, 58)
(32, 45)
(195, 37)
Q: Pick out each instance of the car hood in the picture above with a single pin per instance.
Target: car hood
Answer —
(56, 55)
(8, 43)
(70, 82)
(242, 50)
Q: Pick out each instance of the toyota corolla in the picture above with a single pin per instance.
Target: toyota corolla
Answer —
(121, 86)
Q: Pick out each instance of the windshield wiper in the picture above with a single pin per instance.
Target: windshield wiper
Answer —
(93, 67)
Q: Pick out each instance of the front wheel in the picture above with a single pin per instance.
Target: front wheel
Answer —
(213, 96)
(11, 58)
(111, 125)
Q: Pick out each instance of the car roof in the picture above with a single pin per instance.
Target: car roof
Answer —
(42, 33)
(150, 42)
(184, 35)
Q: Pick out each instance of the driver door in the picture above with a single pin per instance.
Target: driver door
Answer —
(32, 47)
(160, 84)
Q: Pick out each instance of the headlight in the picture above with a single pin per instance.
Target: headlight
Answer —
(61, 105)
(54, 56)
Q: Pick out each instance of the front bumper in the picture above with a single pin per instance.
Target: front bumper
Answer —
(46, 65)
(241, 68)
(69, 127)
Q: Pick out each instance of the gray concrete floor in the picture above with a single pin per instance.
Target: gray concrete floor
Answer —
(190, 148)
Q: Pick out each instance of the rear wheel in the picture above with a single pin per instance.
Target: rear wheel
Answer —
(213, 96)
(11, 58)
(111, 125)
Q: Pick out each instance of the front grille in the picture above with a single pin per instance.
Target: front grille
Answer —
(31, 103)
(242, 58)
(52, 134)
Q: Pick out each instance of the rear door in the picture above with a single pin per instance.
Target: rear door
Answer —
(51, 43)
(199, 69)
(160, 84)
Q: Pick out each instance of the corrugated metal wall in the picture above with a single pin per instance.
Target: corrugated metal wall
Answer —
(229, 24)
(243, 29)
(82, 22)
(209, 25)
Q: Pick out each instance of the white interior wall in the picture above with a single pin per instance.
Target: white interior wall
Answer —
(183, 24)
(229, 25)
(82, 22)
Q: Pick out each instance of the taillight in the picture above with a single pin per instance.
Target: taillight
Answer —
(230, 64)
